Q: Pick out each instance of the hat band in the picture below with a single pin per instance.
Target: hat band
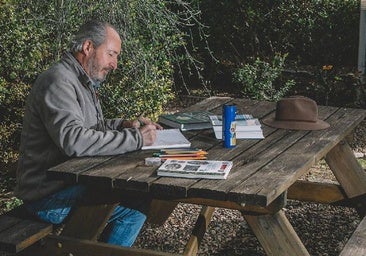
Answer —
(295, 120)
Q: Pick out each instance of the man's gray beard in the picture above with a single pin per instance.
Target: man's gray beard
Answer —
(93, 73)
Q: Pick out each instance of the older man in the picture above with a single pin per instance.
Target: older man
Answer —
(63, 119)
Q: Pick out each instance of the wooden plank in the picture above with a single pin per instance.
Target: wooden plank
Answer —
(171, 188)
(7, 222)
(250, 161)
(22, 233)
(278, 175)
(273, 207)
(180, 186)
(243, 106)
(199, 231)
(160, 210)
(168, 187)
(104, 173)
(356, 245)
(318, 192)
(62, 245)
(246, 153)
(347, 169)
(88, 221)
(136, 179)
(259, 109)
(209, 104)
(69, 170)
(276, 234)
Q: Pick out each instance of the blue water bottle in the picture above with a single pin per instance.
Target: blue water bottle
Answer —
(229, 125)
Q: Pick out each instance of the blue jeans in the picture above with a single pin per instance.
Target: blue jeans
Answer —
(122, 227)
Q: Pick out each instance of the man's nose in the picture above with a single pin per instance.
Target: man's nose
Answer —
(113, 64)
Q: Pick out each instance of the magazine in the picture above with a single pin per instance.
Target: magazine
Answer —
(187, 120)
(206, 169)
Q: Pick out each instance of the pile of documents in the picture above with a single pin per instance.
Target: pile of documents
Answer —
(246, 127)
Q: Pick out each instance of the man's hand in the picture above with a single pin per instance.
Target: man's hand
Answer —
(141, 121)
(148, 132)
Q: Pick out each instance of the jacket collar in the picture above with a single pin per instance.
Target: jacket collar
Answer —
(82, 75)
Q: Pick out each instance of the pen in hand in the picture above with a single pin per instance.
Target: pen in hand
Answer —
(146, 121)
(140, 122)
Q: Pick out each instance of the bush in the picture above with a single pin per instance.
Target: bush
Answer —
(258, 80)
(22, 50)
(312, 32)
(36, 33)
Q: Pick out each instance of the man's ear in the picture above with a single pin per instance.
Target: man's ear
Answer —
(88, 47)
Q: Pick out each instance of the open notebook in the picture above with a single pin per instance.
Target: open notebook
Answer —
(169, 138)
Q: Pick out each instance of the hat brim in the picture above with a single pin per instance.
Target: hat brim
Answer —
(296, 125)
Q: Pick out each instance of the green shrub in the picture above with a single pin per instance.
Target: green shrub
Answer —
(312, 32)
(12, 97)
(35, 33)
(258, 80)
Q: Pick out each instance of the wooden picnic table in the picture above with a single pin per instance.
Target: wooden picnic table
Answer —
(265, 173)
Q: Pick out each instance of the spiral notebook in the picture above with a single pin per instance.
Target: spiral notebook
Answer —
(169, 138)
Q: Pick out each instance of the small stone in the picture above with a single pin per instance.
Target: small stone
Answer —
(359, 154)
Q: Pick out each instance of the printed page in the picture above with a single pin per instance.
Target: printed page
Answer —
(169, 138)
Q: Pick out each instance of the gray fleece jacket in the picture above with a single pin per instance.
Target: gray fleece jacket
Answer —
(63, 119)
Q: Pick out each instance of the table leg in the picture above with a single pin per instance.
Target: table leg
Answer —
(199, 230)
(88, 221)
(348, 171)
(276, 234)
(62, 246)
(160, 210)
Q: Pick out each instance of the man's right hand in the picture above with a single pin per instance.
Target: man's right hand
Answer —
(148, 134)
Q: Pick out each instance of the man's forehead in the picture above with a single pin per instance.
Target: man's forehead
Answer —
(113, 41)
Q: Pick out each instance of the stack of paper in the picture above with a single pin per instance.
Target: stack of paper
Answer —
(169, 138)
(247, 127)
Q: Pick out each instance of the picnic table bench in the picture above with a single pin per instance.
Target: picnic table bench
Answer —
(265, 174)
(356, 245)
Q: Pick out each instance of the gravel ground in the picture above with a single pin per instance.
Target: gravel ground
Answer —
(323, 229)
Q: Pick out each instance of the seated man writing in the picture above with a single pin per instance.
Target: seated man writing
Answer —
(63, 119)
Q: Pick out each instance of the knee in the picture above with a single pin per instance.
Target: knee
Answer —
(128, 215)
(52, 217)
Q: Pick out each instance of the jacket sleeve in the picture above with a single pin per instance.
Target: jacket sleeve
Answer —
(63, 108)
(114, 124)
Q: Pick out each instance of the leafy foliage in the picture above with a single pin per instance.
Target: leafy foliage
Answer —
(257, 80)
(35, 33)
(312, 32)
(173, 46)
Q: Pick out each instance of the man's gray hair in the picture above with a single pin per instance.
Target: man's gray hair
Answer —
(93, 30)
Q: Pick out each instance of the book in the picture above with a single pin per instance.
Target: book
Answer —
(185, 121)
(243, 123)
(246, 127)
(207, 169)
(169, 138)
(242, 135)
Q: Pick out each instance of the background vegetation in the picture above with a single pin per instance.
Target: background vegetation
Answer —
(312, 34)
(195, 47)
(36, 33)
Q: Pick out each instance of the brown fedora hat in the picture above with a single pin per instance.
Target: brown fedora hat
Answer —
(296, 113)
